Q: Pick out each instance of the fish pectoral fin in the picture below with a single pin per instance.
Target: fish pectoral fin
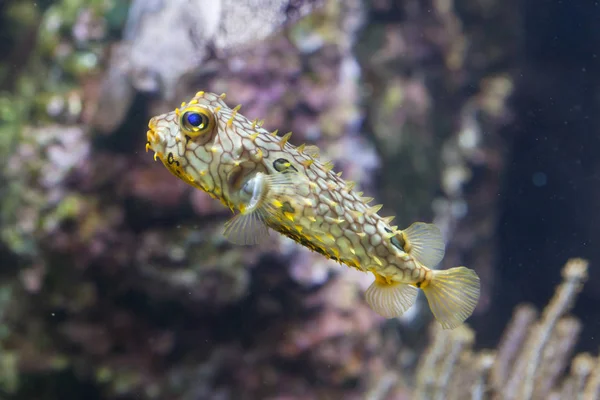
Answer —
(282, 190)
(390, 300)
(424, 242)
(247, 228)
(452, 295)
(287, 185)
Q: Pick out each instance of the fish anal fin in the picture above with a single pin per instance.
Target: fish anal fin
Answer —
(452, 295)
(390, 299)
(424, 242)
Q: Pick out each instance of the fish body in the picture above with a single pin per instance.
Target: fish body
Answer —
(271, 183)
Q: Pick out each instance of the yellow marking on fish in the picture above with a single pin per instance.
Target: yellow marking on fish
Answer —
(217, 109)
(355, 213)
(339, 174)
(200, 93)
(350, 185)
(222, 96)
(289, 216)
(331, 202)
(335, 252)
(390, 235)
(276, 203)
(328, 166)
(300, 148)
(307, 163)
(275, 132)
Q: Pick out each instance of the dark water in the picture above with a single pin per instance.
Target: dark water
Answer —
(551, 197)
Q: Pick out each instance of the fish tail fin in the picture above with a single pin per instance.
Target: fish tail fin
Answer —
(452, 295)
(390, 299)
(423, 242)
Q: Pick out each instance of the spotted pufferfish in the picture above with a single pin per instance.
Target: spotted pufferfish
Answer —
(271, 184)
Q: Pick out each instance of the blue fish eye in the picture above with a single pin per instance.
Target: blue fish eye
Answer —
(194, 119)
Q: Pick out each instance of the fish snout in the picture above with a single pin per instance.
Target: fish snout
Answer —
(154, 140)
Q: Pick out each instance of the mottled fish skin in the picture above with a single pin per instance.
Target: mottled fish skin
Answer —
(326, 215)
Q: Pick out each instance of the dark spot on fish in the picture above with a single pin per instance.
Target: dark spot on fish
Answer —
(235, 177)
(394, 240)
(418, 284)
(171, 159)
(287, 207)
(187, 139)
(283, 165)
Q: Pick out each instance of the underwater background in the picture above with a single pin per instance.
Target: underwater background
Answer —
(482, 116)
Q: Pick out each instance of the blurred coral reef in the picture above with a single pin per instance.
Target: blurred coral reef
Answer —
(115, 280)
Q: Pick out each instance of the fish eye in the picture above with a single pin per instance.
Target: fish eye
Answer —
(196, 120)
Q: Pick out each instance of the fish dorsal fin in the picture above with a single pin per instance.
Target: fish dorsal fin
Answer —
(424, 242)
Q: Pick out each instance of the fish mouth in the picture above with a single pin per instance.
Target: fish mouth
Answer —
(154, 140)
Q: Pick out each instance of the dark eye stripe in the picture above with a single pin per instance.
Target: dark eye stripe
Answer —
(282, 165)
(394, 240)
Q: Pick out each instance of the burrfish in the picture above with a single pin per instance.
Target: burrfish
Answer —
(270, 184)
